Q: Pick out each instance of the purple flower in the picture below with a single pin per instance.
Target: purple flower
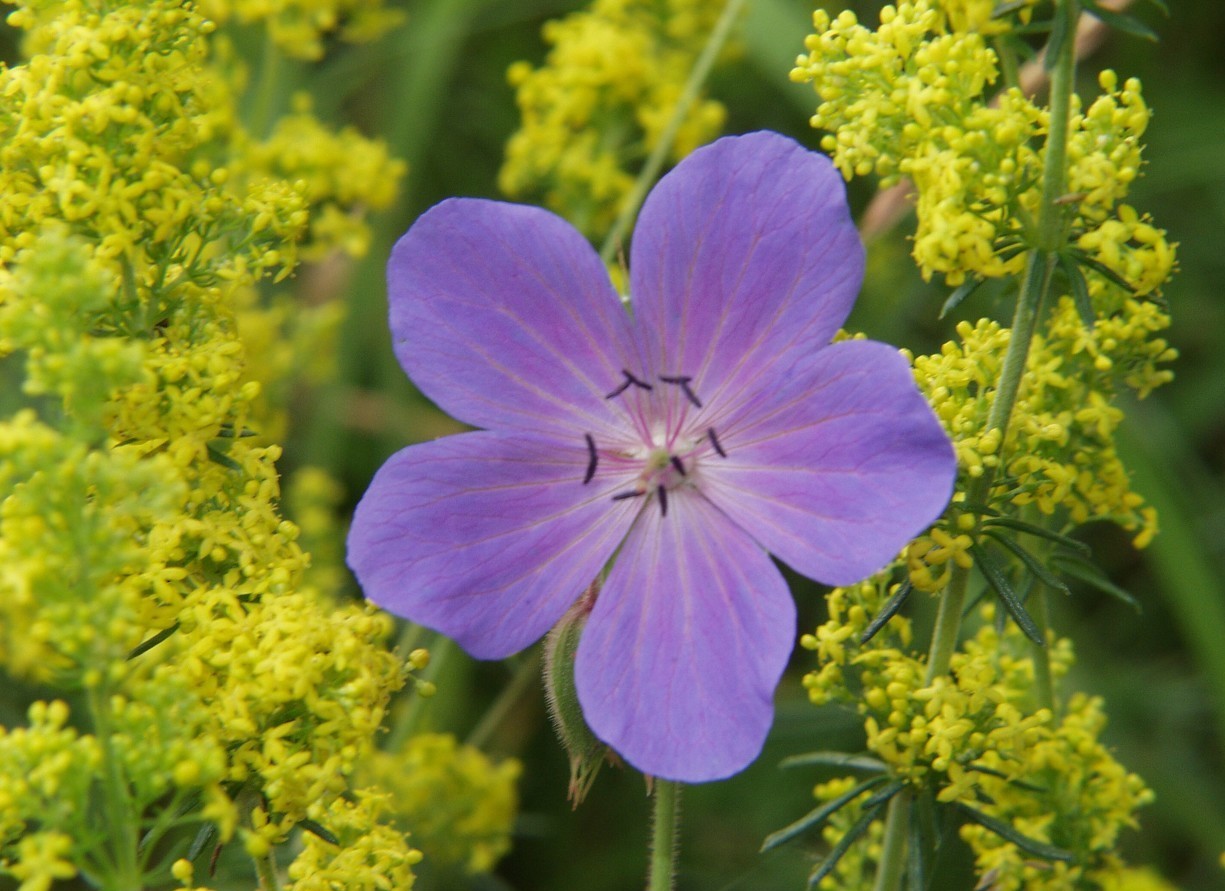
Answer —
(711, 426)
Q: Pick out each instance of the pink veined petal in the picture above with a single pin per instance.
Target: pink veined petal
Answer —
(485, 537)
(744, 257)
(505, 317)
(839, 469)
(678, 663)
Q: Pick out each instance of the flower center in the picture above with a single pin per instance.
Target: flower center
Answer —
(669, 459)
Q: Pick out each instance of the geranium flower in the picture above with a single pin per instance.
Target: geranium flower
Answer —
(685, 441)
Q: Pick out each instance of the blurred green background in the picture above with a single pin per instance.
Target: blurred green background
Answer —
(436, 90)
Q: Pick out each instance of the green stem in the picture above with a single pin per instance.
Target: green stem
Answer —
(948, 624)
(1034, 287)
(655, 161)
(123, 830)
(893, 846)
(664, 836)
(409, 719)
(1039, 611)
(527, 671)
(265, 871)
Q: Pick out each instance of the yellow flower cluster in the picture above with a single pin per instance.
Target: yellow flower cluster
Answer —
(909, 100)
(139, 496)
(370, 855)
(976, 737)
(1077, 797)
(1059, 454)
(299, 27)
(600, 102)
(459, 805)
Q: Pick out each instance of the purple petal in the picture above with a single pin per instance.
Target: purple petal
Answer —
(485, 537)
(840, 468)
(678, 663)
(505, 317)
(743, 255)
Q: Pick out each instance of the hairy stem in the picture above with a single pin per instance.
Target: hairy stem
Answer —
(655, 161)
(664, 836)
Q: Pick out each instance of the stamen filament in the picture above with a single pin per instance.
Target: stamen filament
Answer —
(592, 460)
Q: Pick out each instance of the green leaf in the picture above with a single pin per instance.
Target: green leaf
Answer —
(1161, 5)
(816, 817)
(1089, 573)
(994, 574)
(916, 850)
(888, 611)
(835, 759)
(964, 290)
(1008, 833)
(1079, 288)
(315, 829)
(206, 834)
(1120, 22)
(1103, 270)
(1032, 563)
(219, 457)
(882, 797)
(1059, 36)
(145, 646)
(1038, 531)
(844, 844)
(1005, 7)
(999, 774)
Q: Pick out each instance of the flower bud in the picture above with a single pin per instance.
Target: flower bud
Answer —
(585, 751)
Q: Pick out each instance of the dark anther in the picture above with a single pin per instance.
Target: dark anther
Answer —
(714, 441)
(630, 380)
(621, 496)
(682, 381)
(676, 462)
(663, 501)
(592, 460)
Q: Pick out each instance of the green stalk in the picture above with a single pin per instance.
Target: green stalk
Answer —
(265, 870)
(123, 830)
(1039, 611)
(1034, 287)
(893, 845)
(655, 161)
(664, 848)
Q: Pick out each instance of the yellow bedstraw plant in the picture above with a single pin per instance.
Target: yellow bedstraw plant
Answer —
(980, 726)
(208, 690)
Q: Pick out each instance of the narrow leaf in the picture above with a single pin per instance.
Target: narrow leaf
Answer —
(888, 611)
(1038, 531)
(206, 834)
(145, 646)
(999, 774)
(315, 829)
(1088, 572)
(1080, 290)
(844, 845)
(883, 796)
(835, 759)
(1103, 270)
(1008, 833)
(964, 290)
(1054, 46)
(219, 457)
(1161, 5)
(816, 817)
(1007, 6)
(1120, 22)
(994, 574)
(1032, 563)
(916, 850)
